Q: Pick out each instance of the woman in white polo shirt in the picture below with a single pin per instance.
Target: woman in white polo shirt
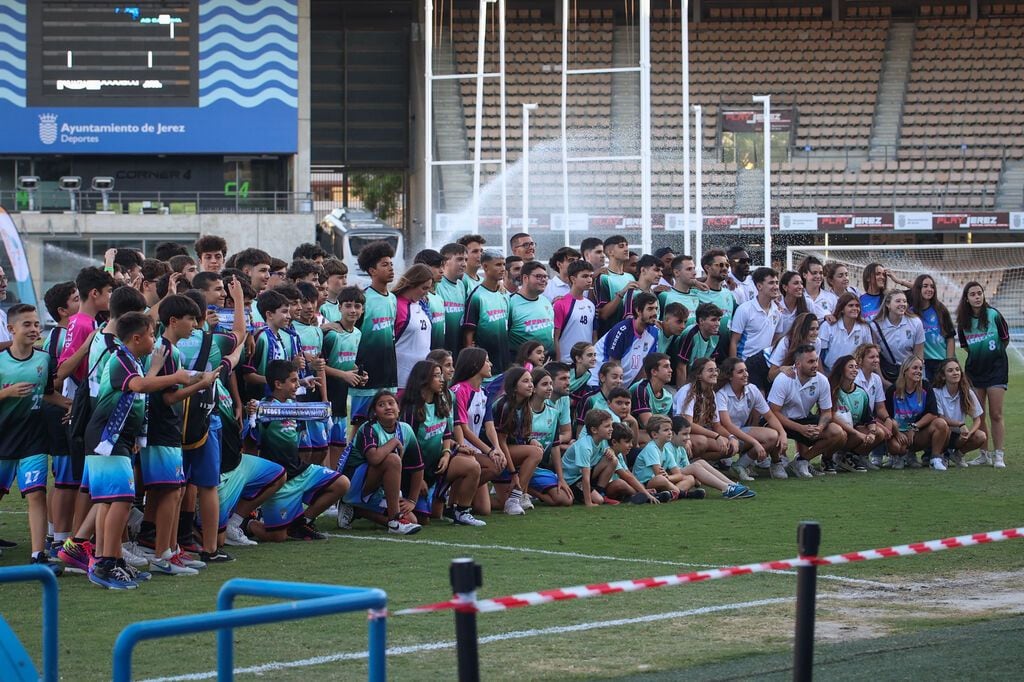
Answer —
(956, 401)
(869, 377)
(899, 332)
(740, 407)
(842, 337)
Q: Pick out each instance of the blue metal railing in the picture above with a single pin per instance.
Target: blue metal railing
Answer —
(14, 574)
(314, 600)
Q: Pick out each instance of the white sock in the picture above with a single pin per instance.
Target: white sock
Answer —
(166, 556)
(745, 460)
(49, 529)
(61, 537)
(235, 521)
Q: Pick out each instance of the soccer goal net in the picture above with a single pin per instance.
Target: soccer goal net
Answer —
(997, 267)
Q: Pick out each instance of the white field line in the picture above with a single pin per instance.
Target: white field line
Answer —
(598, 557)
(502, 637)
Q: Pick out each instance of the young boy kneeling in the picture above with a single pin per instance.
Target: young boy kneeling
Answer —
(657, 468)
(310, 484)
(594, 467)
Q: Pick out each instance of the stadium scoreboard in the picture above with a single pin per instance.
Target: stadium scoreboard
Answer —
(98, 54)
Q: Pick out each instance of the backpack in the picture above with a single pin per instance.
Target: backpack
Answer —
(196, 409)
(81, 412)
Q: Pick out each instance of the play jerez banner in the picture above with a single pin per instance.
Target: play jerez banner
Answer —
(209, 76)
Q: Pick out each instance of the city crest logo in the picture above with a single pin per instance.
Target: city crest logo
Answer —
(47, 128)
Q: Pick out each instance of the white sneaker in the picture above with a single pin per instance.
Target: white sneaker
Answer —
(130, 556)
(997, 460)
(982, 460)
(938, 464)
(186, 560)
(170, 567)
(513, 507)
(400, 527)
(741, 473)
(466, 518)
(779, 471)
(525, 502)
(236, 537)
(802, 469)
(876, 462)
(345, 515)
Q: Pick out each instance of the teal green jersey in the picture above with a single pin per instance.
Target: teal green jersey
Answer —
(487, 314)
(688, 299)
(531, 320)
(279, 443)
(435, 307)
(340, 350)
(22, 428)
(608, 284)
(934, 339)
(117, 375)
(54, 340)
(681, 459)
(376, 354)
(652, 456)
(371, 435)
(854, 407)
(585, 454)
(544, 429)
(431, 433)
(725, 301)
(270, 345)
(221, 345)
(645, 401)
(102, 347)
(165, 421)
(453, 295)
(595, 401)
(311, 338)
(331, 311)
(987, 363)
(470, 283)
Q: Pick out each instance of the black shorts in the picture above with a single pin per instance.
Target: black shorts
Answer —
(799, 437)
(954, 440)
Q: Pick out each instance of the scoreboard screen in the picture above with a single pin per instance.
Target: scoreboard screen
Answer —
(90, 53)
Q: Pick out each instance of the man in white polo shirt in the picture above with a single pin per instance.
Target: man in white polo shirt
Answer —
(753, 324)
(793, 399)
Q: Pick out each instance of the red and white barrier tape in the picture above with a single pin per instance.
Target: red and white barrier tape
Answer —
(598, 589)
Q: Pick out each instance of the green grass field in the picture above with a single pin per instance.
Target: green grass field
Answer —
(734, 628)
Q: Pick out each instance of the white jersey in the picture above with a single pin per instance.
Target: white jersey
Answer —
(412, 339)
(778, 355)
(741, 408)
(680, 404)
(901, 338)
(873, 386)
(824, 305)
(756, 327)
(556, 288)
(949, 405)
(837, 342)
(574, 322)
(797, 398)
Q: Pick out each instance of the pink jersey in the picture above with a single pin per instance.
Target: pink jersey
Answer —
(470, 407)
(80, 326)
(574, 322)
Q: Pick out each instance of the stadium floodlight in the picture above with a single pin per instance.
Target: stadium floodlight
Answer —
(527, 108)
(30, 185)
(766, 103)
(103, 184)
(70, 184)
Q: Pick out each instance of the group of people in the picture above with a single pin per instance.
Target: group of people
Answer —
(187, 403)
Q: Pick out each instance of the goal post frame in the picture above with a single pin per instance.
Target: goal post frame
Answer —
(790, 250)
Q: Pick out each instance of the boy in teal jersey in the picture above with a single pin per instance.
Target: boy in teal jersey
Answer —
(485, 323)
(453, 293)
(531, 316)
(561, 399)
(684, 288)
(308, 484)
(116, 430)
(657, 459)
(650, 396)
(161, 459)
(311, 345)
(273, 342)
(594, 466)
(340, 351)
(612, 285)
(27, 375)
(202, 447)
(716, 267)
(435, 303)
(337, 280)
(62, 301)
(672, 326)
(376, 354)
(699, 341)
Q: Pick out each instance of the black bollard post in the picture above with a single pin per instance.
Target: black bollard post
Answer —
(466, 576)
(808, 537)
